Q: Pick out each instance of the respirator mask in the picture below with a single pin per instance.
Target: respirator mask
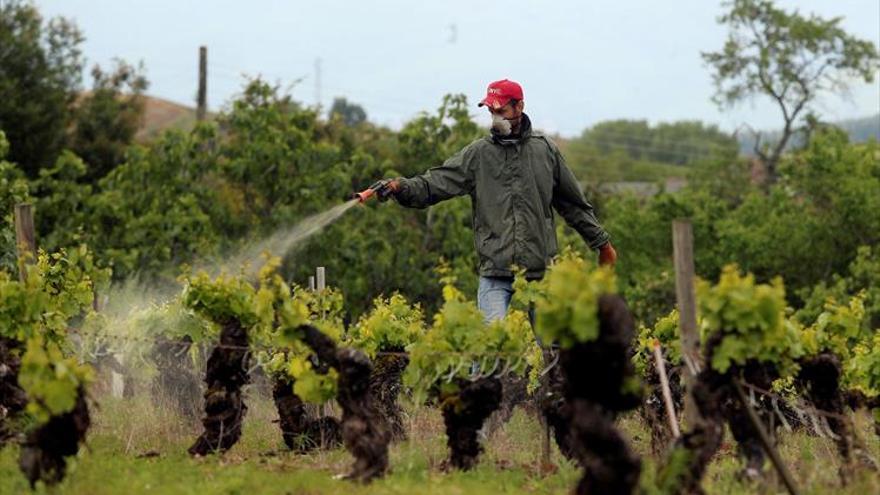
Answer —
(501, 125)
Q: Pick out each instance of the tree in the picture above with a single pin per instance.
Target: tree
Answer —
(42, 108)
(626, 150)
(788, 57)
(351, 114)
(41, 72)
(106, 119)
(13, 189)
(675, 143)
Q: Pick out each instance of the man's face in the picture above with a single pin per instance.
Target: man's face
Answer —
(510, 111)
(506, 119)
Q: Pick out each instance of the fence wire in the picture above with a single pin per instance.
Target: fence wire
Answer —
(788, 410)
(511, 360)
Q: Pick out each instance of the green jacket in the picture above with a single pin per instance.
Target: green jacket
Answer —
(513, 183)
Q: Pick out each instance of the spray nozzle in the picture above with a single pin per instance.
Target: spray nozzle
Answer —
(382, 189)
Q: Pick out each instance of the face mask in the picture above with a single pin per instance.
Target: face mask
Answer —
(501, 125)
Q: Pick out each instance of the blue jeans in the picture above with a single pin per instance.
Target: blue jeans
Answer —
(493, 297)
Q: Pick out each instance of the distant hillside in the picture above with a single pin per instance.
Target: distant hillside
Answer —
(863, 129)
(859, 130)
(161, 114)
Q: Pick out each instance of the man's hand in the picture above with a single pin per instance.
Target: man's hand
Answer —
(607, 255)
(387, 188)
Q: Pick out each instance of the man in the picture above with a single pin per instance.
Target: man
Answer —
(514, 177)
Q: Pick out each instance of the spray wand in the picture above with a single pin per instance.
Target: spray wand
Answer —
(382, 189)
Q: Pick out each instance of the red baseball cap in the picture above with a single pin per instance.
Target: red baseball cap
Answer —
(500, 92)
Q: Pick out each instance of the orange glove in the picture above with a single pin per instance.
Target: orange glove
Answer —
(607, 255)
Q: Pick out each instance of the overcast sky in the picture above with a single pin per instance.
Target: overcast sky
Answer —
(579, 61)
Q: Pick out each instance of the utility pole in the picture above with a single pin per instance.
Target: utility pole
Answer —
(202, 99)
(318, 83)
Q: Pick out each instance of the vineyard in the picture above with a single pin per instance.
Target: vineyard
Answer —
(369, 387)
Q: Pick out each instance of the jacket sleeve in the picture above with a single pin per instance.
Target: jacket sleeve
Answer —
(453, 178)
(569, 201)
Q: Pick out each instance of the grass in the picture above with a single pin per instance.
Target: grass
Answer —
(124, 431)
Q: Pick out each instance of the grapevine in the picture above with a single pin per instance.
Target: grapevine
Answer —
(391, 325)
(289, 359)
(746, 322)
(364, 431)
(746, 337)
(458, 362)
(384, 334)
(836, 345)
(41, 379)
(299, 376)
(579, 310)
(567, 305)
(665, 333)
(460, 346)
(863, 373)
(255, 317)
(838, 329)
(229, 302)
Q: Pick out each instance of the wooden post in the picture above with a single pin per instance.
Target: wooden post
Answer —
(25, 238)
(664, 388)
(312, 283)
(683, 252)
(320, 278)
(202, 100)
(321, 284)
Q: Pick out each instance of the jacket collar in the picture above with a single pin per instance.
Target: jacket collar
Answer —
(525, 131)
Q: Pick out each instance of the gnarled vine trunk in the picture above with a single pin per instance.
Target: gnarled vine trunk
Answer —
(748, 442)
(44, 453)
(873, 406)
(464, 414)
(12, 397)
(514, 392)
(653, 410)
(819, 378)
(385, 386)
(554, 407)
(599, 382)
(300, 432)
(364, 431)
(226, 374)
(691, 454)
(177, 383)
(716, 402)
